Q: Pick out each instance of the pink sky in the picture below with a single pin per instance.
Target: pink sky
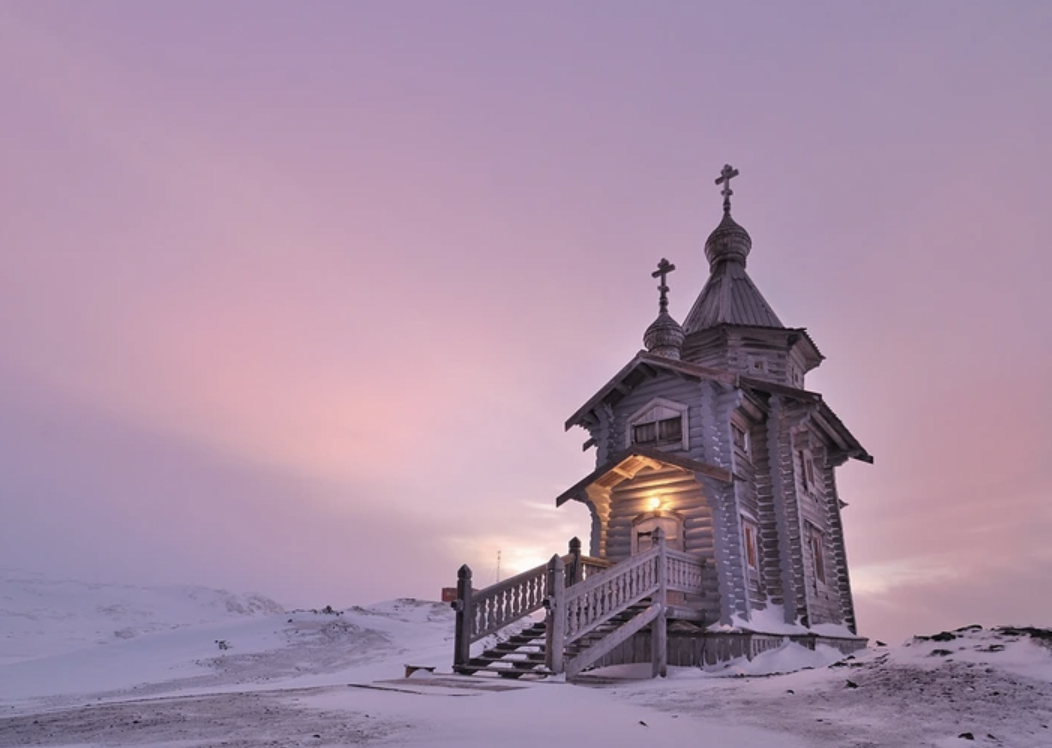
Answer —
(296, 297)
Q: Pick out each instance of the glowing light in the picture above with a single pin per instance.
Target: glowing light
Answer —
(654, 503)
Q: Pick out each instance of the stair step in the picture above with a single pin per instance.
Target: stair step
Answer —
(537, 672)
(527, 657)
(519, 641)
(512, 646)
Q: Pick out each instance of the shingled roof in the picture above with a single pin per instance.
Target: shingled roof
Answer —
(729, 297)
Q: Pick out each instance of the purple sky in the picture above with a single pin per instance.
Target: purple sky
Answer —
(296, 297)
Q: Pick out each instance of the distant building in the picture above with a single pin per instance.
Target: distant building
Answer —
(709, 442)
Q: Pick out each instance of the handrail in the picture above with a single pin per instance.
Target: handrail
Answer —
(590, 566)
(684, 571)
(484, 612)
(602, 577)
(581, 593)
(502, 604)
(594, 602)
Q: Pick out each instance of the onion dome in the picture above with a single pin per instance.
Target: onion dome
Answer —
(728, 242)
(664, 337)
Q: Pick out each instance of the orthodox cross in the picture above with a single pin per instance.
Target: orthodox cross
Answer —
(728, 173)
(664, 268)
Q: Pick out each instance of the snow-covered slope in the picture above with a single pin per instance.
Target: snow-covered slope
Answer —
(41, 616)
(208, 668)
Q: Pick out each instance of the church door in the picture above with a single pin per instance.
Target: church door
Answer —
(643, 531)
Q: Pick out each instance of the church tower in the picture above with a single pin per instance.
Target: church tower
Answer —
(710, 437)
(731, 326)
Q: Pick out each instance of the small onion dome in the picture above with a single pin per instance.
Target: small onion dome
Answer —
(664, 337)
(728, 241)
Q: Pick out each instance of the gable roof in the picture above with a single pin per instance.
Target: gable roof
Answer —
(626, 464)
(645, 365)
(639, 368)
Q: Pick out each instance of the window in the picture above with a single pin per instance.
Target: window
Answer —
(741, 438)
(807, 467)
(659, 423)
(658, 432)
(750, 538)
(816, 544)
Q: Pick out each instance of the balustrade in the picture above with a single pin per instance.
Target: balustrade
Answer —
(580, 592)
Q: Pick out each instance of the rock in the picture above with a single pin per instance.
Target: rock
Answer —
(966, 736)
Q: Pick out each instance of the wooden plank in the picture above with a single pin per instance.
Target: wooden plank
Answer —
(555, 631)
(659, 628)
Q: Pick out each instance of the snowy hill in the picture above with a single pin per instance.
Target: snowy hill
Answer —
(41, 616)
(205, 667)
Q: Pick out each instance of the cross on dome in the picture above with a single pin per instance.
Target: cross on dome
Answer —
(664, 268)
(726, 175)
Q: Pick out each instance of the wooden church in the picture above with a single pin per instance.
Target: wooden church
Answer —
(716, 525)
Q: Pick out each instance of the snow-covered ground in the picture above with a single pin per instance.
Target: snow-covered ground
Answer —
(100, 665)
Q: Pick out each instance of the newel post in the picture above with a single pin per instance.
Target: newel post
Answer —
(659, 628)
(465, 615)
(555, 632)
(575, 572)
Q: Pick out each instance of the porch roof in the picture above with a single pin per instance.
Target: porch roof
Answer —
(625, 464)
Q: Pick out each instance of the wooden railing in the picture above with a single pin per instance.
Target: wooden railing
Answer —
(484, 612)
(684, 572)
(592, 603)
(590, 566)
(506, 602)
(580, 593)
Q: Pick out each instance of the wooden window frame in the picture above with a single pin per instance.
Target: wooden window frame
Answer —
(816, 544)
(746, 438)
(669, 411)
(808, 471)
(751, 545)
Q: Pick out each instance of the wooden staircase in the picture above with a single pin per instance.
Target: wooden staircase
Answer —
(605, 629)
(518, 655)
(525, 653)
(592, 607)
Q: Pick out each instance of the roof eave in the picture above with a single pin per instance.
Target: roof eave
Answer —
(652, 360)
(702, 468)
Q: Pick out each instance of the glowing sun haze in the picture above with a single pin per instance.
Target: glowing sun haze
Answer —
(296, 297)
